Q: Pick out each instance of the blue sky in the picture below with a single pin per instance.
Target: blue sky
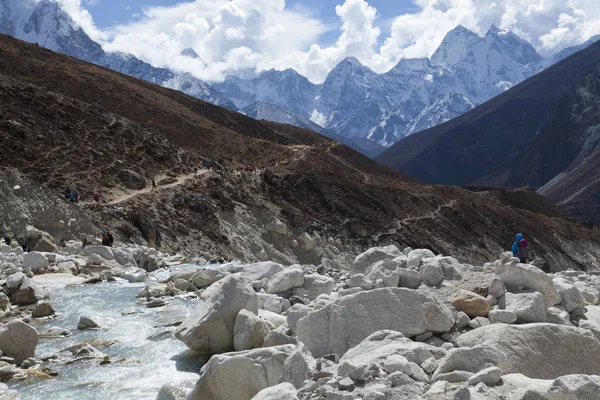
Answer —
(107, 13)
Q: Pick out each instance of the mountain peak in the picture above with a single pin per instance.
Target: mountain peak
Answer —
(189, 52)
(456, 45)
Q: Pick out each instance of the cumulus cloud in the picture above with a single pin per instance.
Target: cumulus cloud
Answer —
(236, 35)
(83, 18)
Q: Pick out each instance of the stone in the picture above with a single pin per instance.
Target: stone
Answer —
(409, 278)
(431, 272)
(360, 281)
(28, 293)
(278, 337)
(289, 278)
(346, 384)
(44, 309)
(103, 251)
(528, 306)
(170, 391)
(316, 285)
(18, 340)
(515, 275)
(591, 320)
(270, 302)
(305, 241)
(155, 303)
(496, 287)
(210, 327)
(46, 244)
(272, 319)
(471, 303)
(134, 275)
(345, 322)
(462, 320)
(207, 276)
(373, 255)
(387, 348)
(131, 179)
(251, 371)
(299, 366)
(471, 359)
(580, 387)
(488, 376)
(15, 280)
(86, 323)
(123, 257)
(540, 350)
(276, 226)
(34, 260)
(478, 322)
(502, 316)
(414, 257)
(386, 270)
(283, 391)
(555, 315)
(400, 379)
(181, 284)
(258, 271)
(249, 331)
(295, 313)
(572, 298)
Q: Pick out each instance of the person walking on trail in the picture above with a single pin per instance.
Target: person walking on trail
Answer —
(107, 238)
(72, 197)
(520, 248)
(153, 184)
(96, 197)
(76, 194)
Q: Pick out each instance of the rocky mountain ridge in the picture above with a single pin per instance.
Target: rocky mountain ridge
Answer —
(45, 23)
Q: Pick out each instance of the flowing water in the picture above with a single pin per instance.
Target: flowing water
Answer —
(151, 356)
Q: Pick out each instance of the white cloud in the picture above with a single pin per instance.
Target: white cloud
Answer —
(83, 18)
(233, 35)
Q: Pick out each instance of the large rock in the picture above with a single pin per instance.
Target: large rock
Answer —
(131, 179)
(380, 346)
(409, 278)
(249, 331)
(44, 309)
(28, 293)
(207, 276)
(289, 278)
(46, 244)
(209, 328)
(34, 260)
(316, 285)
(18, 340)
(571, 387)
(471, 359)
(528, 306)
(299, 366)
(258, 271)
(591, 320)
(15, 280)
(169, 391)
(541, 350)
(371, 256)
(386, 271)
(515, 276)
(103, 251)
(471, 303)
(283, 391)
(348, 320)
(241, 375)
(572, 298)
(432, 272)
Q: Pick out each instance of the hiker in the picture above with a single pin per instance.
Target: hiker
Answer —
(107, 238)
(96, 197)
(7, 239)
(153, 184)
(72, 197)
(520, 248)
(76, 196)
(67, 193)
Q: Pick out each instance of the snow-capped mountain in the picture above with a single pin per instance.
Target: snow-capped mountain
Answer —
(288, 90)
(45, 23)
(466, 70)
(564, 53)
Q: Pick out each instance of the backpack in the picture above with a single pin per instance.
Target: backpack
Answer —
(523, 248)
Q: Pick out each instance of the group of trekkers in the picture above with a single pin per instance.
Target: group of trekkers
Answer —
(72, 195)
(520, 248)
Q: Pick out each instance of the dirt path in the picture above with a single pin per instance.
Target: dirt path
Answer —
(180, 181)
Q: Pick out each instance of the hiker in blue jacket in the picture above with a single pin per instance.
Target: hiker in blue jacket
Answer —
(520, 248)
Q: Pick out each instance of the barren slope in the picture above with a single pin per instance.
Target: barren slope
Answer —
(66, 122)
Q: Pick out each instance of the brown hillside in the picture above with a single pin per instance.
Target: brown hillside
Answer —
(66, 122)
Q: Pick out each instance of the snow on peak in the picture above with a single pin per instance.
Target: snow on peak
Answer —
(455, 46)
(189, 52)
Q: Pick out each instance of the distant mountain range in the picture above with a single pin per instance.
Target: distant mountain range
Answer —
(543, 133)
(371, 110)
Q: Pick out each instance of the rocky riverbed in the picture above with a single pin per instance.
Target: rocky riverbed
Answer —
(131, 322)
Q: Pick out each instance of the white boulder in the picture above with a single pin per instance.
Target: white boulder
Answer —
(386, 271)
(579, 387)
(572, 298)
(249, 331)
(348, 320)
(103, 251)
(289, 278)
(283, 391)
(528, 306)
(540, 350)
(18, 340)
(516, 275)
(34, 260)
(316, 285)
(210, 327)
(371, 256)
(241, 375)
(299, 366)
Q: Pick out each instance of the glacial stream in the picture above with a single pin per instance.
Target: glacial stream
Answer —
(143, 357)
